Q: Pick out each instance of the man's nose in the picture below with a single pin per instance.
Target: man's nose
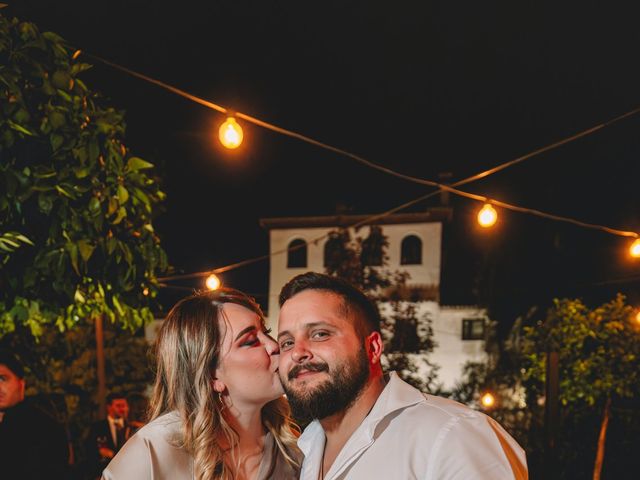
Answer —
(300, 353)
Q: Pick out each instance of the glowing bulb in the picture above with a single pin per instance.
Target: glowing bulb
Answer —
(638, 317)
(145, 291)
(634, 250)
(488, 400)
(213, 282)
(487, 216)
(230, 133)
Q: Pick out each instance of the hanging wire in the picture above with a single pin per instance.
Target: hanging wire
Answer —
(440, 186)
(358, 158)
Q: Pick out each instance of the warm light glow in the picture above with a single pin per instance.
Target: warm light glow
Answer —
(145, 291)
(488, 400)
(213, 282)
(638, 317)
(231, 133)
(634, 250)
(487, 216)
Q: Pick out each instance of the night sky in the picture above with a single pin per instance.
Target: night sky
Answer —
(421, 87)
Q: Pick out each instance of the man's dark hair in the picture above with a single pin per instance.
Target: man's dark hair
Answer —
(352, 297)
(12, 362)
(114, 396)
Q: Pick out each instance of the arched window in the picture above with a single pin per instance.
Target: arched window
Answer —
(297, 254)
(411, 250)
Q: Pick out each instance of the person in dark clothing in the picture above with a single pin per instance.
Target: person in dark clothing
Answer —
(32, 444)
(107, 436)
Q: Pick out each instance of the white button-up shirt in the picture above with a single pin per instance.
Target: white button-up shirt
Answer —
(411, 435)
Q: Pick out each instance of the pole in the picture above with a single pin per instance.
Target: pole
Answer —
(551, 411)
(102, 385)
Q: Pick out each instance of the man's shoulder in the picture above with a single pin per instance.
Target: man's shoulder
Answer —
(437, 411)
(423, 406)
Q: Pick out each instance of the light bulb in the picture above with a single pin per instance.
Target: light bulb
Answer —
(488, 400)
(487, 216)
(230, 133)
(213, 282)
(634, 250)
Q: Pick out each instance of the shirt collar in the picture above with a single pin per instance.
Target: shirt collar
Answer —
(397, 394)
(116, 421)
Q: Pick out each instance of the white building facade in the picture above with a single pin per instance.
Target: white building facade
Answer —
(299, 244)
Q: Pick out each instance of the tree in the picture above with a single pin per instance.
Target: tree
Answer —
(61, 375)
(599, 357)
(76, 207)
(408, 337)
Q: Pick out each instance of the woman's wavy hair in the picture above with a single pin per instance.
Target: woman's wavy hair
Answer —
(187, 352)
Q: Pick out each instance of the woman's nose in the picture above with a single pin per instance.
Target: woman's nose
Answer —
(272, 346)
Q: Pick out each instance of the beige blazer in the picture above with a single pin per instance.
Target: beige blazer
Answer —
(151, 454)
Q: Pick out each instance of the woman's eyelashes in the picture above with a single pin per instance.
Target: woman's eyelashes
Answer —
(250, 340)
(253, 338)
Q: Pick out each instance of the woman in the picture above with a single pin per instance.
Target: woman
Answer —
(217, 410)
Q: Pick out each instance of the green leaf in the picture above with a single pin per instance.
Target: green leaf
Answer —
(81, 172)
(57, 120)
(56, 141)
(72, 249)
(136, 163)
(94, 205)
(61, 79)
(64, 192)
(86, 249)
(20, 128)
(78, 297)
(116, 304)
(123, 195)
(121, 214)
(45, 203)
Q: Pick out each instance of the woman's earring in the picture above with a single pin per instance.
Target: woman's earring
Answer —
(221, 400)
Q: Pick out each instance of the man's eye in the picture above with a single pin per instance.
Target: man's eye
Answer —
(286, 344)
(319, 335)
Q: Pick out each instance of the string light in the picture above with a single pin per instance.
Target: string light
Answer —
(487, 216)
(231, 137)
(230, 133)
(213, 282)
(488, 400)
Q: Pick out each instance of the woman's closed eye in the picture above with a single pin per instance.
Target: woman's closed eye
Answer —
(250, 340)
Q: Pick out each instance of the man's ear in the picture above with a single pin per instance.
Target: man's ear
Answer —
(375, 347)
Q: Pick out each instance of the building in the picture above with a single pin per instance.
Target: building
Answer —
(299, 244)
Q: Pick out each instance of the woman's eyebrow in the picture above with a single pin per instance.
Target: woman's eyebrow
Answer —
(245, 330)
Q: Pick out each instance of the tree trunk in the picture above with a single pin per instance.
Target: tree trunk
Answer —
(102, 387)
(597, 469)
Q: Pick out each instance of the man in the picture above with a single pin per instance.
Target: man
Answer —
(107, 436)
(32, 445)
(367, 425)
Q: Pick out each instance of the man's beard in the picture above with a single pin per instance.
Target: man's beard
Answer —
(336, 394)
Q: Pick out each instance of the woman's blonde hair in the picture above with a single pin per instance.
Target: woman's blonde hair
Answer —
(188, 353)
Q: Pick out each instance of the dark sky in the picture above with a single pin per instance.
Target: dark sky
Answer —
(420, 86)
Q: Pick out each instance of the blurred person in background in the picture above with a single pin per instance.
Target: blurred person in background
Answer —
(32, 444)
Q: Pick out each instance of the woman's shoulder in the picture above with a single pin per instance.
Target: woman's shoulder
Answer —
(152, 452)
(164, 428)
